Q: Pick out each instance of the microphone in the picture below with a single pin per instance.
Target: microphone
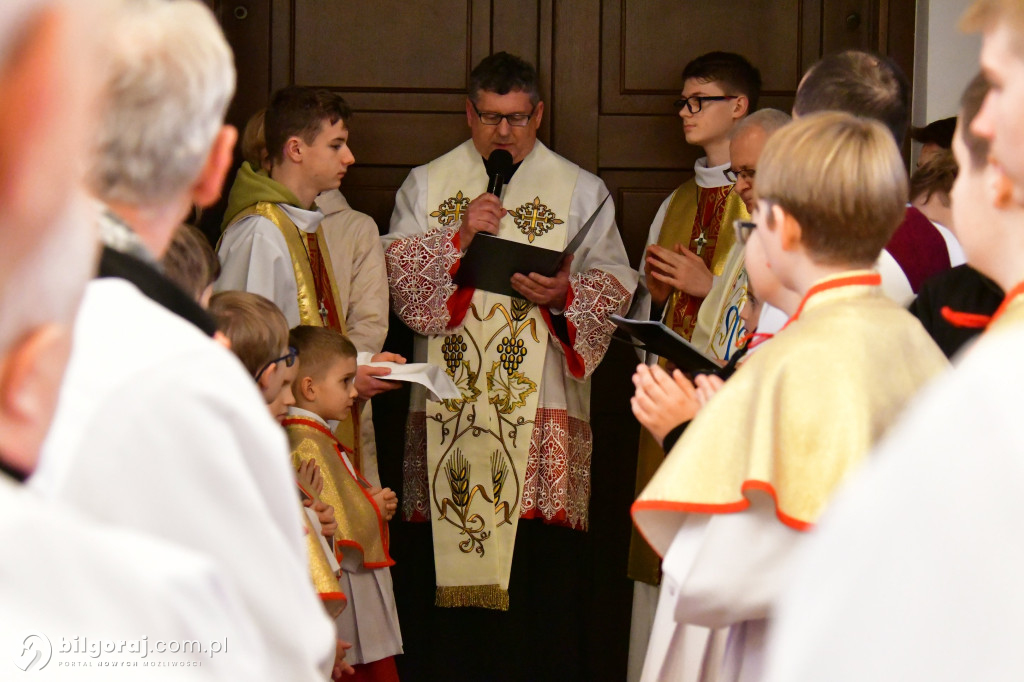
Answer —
(499, 170)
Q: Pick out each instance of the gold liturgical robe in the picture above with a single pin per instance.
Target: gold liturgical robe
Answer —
(360, 524)
(802, 412)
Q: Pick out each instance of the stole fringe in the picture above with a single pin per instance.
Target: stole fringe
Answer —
(480, 596)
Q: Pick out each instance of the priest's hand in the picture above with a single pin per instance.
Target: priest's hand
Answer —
(387, 501)
(482, 215)
(707, 386)
(341, 666)
(309, 476)
(678, 268)
(368, 383)
(662, 402)
(659, 290)
(546, 291)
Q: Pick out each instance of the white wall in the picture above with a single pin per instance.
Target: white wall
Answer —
(945, 59)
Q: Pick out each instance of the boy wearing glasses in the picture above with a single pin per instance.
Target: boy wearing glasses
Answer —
(274, 244)
(730, 506)
(523, 365)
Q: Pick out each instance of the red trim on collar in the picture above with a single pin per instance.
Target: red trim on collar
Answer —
(870, 280)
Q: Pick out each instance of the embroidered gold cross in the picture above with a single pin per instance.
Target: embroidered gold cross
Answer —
(534, 219)
(450, 210)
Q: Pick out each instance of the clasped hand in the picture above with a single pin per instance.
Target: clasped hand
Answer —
(676, 268)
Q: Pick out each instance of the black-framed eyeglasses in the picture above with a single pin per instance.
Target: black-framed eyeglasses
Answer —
(288, 359)
(743, 228)
(696, 102)
(493, 118)
(734, 174)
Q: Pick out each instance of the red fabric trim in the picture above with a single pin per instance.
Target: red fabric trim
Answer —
(726, 508)
(382, 525)
(754, 340)
(872, 280)
(458, 303)
(577, 367)
(333, 596)
(1010, 296)
(964, 320)
(918, 248)
(383, 670)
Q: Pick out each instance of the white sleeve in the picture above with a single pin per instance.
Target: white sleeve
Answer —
(641, 308)
(254, 257)
(409, 217)
(730, 567)
(895, 284)
(212, 476)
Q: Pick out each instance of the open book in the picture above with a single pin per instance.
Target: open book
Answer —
(655, 337)
(490, 261)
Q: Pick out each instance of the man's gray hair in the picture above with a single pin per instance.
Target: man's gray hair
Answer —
(768, 120)
(170, 79)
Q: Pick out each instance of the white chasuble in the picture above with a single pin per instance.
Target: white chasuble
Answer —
(477, 446)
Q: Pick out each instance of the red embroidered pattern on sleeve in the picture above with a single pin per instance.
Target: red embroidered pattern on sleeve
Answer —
(420, 278)
(556, 486)
(596, 295)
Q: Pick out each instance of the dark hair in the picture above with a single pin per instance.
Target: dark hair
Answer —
(190, 261)
(936, 175)
(319, 347)
(970, 105)
(737, 75)
(299, 111)
(858, 83)
(938, 132)
(502, 73)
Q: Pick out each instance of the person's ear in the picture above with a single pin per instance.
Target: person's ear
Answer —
(305, 388)
(267, 377)
(469, 112)
(293, 149)
(741, 107)
(538, 114)
(790, 232)
(30, 377)
(207, 189)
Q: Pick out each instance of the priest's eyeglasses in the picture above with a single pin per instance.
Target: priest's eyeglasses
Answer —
(734, 174)
(695, 103)
(493, 118)
(288, 360)
(743, 228)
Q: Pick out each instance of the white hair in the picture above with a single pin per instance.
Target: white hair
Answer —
(170, 79)
(768, 120)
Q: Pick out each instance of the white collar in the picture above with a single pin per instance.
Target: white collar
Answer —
(710, 177)
(307, 221)
(306, 414)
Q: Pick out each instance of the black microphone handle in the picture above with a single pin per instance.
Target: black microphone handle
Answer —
(495, 183)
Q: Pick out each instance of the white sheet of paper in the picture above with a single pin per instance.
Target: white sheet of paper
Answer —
(432, 377)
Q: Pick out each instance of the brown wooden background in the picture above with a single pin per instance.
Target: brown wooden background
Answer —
(610, 71)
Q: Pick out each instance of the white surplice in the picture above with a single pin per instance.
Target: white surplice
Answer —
(160, 429)
(915, 571)
(73, 577)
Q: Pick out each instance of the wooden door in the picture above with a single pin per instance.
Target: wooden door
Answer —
(610, 71)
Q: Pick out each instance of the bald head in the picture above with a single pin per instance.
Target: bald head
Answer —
(745, 145)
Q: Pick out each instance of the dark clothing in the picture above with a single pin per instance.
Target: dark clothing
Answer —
(962, 289)
(155, 286)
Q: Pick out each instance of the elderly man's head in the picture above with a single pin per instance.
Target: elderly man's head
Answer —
(47, 245)
(163, 144)
(745, 144)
